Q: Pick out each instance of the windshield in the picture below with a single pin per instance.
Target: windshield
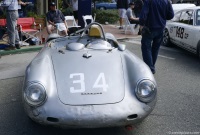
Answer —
(99, 44)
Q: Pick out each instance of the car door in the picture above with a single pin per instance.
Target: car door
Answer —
(196, 29)
(185, 30)
(171, 26)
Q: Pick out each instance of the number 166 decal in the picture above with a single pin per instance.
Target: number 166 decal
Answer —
(99, 83)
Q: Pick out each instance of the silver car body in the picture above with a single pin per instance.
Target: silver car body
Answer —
(89, 82)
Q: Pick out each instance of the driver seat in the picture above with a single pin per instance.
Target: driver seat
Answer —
(95, 31)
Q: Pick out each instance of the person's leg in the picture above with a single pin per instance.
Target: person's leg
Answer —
(76, 16)
(156, 45)
(120, 22)
(120, 18)
(147, 51)
(49, 29)
(62, 28)
(11, 28)
(17, 45)
(64, 32)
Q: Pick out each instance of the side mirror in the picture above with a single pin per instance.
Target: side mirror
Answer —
(121, 47)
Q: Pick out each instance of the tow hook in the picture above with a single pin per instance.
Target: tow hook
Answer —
(129, 127)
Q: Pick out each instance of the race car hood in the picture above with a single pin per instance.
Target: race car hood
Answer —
(93, 77)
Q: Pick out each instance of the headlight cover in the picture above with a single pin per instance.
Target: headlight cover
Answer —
(146, 91)
(35, 94)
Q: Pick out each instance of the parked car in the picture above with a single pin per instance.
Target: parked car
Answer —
(88, 81)
(180, 6)
(184, 30)
(106, 5)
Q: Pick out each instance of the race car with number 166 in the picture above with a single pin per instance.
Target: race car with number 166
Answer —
(184, 30)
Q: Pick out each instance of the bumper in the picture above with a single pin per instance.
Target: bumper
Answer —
(90, 116)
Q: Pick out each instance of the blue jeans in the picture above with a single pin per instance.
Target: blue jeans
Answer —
(21, 14)
(150, 46)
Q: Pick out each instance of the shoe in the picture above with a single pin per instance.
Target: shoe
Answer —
(10, 47)
(120, 27)
(17, 46)
(153, 72)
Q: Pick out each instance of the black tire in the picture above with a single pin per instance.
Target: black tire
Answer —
(198, 50)
(166, 39)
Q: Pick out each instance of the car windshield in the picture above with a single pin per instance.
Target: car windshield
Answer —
(70, 43)
(99, 44)
(198, 18)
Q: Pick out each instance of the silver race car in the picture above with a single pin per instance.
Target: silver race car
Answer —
(88, 81)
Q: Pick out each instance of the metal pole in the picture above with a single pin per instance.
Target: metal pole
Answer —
(57, 4)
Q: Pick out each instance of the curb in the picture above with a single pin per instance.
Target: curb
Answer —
(22, 50)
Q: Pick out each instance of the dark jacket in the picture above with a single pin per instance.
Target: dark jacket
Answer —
(122, 4)
(155, 13)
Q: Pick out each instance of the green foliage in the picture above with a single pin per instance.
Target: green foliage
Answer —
(110, 16)
(33, 14)
(67, 11)
(3, 16)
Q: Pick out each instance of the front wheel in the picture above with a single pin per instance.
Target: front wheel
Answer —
(166, 38)
(198, 51)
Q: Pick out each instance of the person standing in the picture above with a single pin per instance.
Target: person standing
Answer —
(75, 9)
(122, 6)
(152, 23)
(11, 19)
(21, 8)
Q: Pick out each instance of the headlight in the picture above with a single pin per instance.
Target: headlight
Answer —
(35, 94)
(146, 91)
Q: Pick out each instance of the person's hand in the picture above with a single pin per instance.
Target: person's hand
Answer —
(56, 25)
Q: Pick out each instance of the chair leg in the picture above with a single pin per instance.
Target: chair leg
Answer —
(132, 30)
(29, 35)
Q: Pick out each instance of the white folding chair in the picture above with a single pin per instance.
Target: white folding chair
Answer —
(72, 25)
(71, 22)
(129, 26)
(87, 17)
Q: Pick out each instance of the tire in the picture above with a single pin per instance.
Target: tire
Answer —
(198, 50)
(166, 39)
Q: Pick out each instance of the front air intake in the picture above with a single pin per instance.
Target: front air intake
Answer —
(131, 117)
(51, 119)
